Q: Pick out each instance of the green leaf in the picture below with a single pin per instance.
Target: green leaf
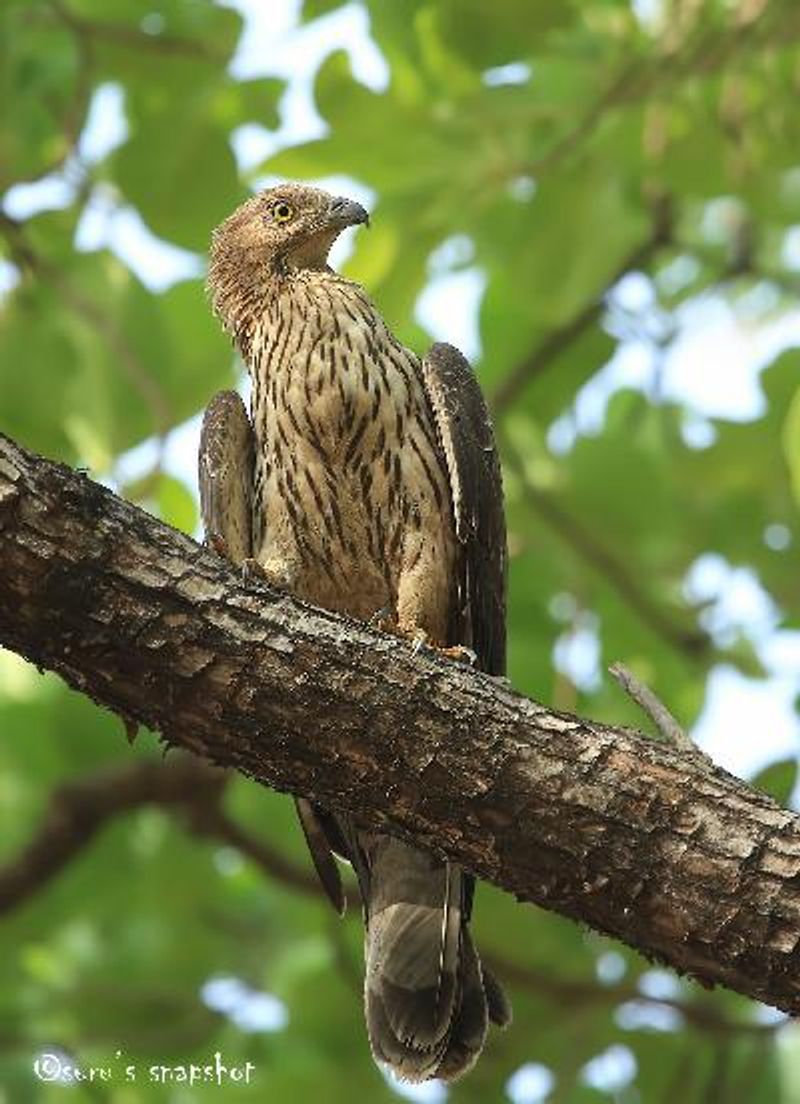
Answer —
(497, 40)
(778, 780)
(176, 504)
(159, 170)
(791, 443)
(44, 77)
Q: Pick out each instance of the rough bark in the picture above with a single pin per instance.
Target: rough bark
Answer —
(632, 837)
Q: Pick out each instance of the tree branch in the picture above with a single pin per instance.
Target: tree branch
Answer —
(143, 381)
(557, 340)
(187, 786)
(123, 34)
(575, 993)
(650, 75)
(688, 865)
(79, 808)
(214, 822)
(690, 640)
(655, 709)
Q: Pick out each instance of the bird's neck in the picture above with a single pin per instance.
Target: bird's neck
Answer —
(310, 328)
(304, 309)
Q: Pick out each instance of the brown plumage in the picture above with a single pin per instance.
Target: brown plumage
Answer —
(365, 481)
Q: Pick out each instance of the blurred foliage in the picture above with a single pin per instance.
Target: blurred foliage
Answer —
(555, 148)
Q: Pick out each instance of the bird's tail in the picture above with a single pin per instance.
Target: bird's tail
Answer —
(428, 999)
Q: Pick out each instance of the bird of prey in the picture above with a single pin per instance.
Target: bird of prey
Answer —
(365, 480)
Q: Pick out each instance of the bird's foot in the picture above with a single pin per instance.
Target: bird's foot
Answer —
(254, 570)
(460, 653)
(384, 620)
(251, 569)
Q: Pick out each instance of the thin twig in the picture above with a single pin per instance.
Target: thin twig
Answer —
(139, 376)
(563, 336)
(661, 717)
(132, 38)
(214, 822)
(690, 641)
(572, 993)
(648, 75)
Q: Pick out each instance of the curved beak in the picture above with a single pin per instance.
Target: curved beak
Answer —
(346, 212)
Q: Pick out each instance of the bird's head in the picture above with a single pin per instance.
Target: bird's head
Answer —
(281, 230)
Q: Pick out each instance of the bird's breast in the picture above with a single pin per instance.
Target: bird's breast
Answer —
(348, 466)
(343, 383)
(337, 383)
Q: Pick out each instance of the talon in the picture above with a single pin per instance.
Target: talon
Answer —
(252, 569)
(460, 653)
(383, 619)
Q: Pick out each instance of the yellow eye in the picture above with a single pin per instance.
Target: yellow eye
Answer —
(282, 212)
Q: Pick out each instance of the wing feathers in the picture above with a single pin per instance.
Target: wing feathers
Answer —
(467, 440)
(226, 466)
(226, 470)
(321, 855)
